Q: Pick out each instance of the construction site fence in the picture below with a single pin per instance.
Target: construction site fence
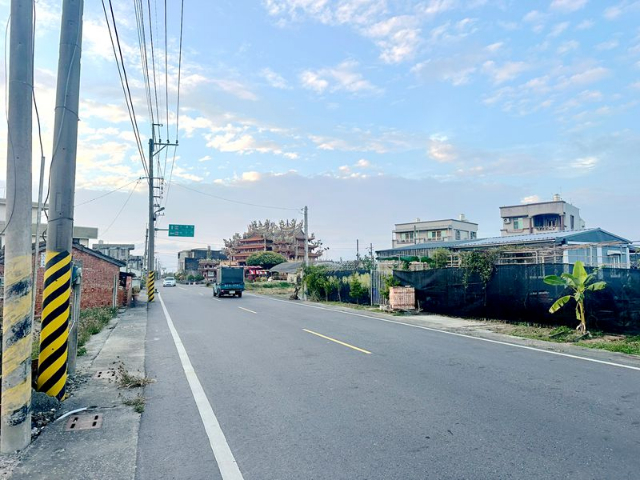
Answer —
(517, 293)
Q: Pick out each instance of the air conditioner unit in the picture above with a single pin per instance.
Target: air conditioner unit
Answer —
(507, 220)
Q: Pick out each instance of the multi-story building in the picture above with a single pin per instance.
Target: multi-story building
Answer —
(188, 260)
(541, 217)
(81, 235)
(122, 252)
(449, 230)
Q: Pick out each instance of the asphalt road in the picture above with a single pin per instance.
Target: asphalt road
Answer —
(389, 402)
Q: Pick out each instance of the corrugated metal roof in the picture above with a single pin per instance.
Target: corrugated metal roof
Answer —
(589, 235)
(421, 246)
(555, 237)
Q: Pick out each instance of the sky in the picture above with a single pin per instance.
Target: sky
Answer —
(369, 112)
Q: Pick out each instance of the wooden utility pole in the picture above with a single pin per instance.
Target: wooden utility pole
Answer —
(54, 336)
(16, 320)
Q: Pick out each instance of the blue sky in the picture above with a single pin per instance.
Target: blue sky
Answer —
(371, 112)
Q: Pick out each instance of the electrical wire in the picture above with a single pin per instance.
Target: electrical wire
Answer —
(122, 208)
(179, 73)
(234, 201)
(153, 60)
(166, 69)
(144, 62)
(108, 193)
(125, 83)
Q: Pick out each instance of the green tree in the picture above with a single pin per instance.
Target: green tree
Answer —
(440, 258)
(315, 281)
(579, 282)
(265, 260)
(389, 281)
(356, 289)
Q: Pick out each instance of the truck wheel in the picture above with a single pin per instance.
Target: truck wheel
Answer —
(239, 294)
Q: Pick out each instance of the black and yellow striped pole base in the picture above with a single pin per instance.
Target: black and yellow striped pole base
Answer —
(151, 287)
(52, 362)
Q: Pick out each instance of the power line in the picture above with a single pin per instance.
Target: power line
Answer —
(166, 68)
(108, 193)
(153, 59)
(235, 201)
(179, 72)
(122, 208)
(124, 81)
(142, 42)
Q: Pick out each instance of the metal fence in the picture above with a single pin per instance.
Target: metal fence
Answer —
(517, 293)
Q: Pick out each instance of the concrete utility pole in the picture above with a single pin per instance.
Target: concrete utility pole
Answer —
(151, 232)
(16, 322)
(52, 362)
(306, 237)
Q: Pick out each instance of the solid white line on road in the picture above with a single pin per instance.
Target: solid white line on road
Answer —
(226, 462)
(525, 347)
(247, 310)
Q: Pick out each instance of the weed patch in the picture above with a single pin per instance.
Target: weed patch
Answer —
(138, 402)
(130, 380)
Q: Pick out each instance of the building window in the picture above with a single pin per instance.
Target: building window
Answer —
(518, 224)
(573, 222)
(473, 235)
(457, 234)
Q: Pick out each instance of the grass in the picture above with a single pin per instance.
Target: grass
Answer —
(92, 321)
(278, 289)
(598, 340)
(129, 380)
(138, 402)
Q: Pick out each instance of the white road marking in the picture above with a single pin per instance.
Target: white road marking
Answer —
(247, 310)
(182, 288)
(226, 462)
(525, 347)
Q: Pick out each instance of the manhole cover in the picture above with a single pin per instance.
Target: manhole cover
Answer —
(105, 374)
(84, 422)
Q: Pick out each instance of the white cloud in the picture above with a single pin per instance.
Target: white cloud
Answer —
(530, 199)
(363, 163)
(494, 47)
(557, 29)
(585, 25)
(397, 37)
(436, 7)
(312, 81)
(342, 77)
(567, 47)
(635, 85)
(235, 88)
(206, 158)
(567, 6)
(441, 150)
(180, 172)
(251, 176)
(608, 45)
(274, 79)
(591, 75)
(504, 73)
(584, 164)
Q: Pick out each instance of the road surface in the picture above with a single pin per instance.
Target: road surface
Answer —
(281, 390)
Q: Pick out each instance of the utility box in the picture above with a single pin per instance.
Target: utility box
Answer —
(402, 298)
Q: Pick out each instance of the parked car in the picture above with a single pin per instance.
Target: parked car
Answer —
(169, 282)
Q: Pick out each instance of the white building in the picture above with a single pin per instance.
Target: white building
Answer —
(448, 230)
(542, 217)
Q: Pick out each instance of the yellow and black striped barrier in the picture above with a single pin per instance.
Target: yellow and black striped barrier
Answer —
(52, 362)
(16, 357)
(151, 287)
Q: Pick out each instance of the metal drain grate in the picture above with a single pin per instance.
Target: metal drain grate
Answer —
(109, 374)
(84, 422)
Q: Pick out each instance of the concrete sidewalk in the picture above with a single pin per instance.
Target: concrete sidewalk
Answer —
(107, 452)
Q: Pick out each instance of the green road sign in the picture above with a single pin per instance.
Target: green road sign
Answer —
(182, 230)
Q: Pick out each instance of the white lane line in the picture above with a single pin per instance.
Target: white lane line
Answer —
(182, 288)
(226, 462)
(247, 310)
(525, 347)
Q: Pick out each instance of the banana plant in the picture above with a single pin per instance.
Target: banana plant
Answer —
(579, 282)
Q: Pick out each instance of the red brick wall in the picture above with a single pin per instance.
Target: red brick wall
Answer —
(98, 277)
